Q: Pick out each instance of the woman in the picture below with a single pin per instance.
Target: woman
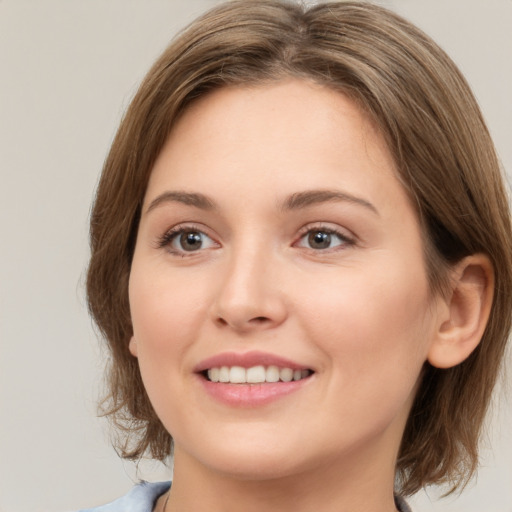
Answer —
(300, 258)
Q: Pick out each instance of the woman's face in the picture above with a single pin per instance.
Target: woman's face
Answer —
(276, 243)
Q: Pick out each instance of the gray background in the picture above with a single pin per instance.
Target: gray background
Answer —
(68, 69)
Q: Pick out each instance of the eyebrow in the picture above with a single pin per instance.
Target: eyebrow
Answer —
(312, 197)
(189, 198)
(296, 201)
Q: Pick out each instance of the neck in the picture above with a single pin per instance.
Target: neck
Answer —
(354, 485)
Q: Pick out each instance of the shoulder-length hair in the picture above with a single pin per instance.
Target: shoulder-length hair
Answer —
(444, 158)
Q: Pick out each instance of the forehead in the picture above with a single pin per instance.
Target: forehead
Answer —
(262, 130)
(283, 114)
(268, 142)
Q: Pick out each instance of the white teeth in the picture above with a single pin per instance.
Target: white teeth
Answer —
(213, 374)
(272, 374)
(237, 375)
(224, 374)
(286, 374)
(255, 374)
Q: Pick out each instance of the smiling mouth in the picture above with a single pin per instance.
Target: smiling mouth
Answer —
(255, 374)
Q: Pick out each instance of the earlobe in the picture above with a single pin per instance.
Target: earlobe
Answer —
(469, 305)
(132, 346)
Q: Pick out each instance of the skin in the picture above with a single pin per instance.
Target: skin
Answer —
(359, 313)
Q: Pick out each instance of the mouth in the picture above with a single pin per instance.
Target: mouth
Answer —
(258, 374)
(252, 379)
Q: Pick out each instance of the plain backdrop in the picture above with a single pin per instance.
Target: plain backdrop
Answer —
(68, 69)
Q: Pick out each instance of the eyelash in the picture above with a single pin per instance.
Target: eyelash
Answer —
(167, 239)
(345, 240)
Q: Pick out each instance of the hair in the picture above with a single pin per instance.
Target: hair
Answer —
(444, 158)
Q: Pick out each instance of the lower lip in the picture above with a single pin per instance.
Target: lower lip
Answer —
(251, 395)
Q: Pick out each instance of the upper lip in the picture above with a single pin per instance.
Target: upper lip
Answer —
(247, 360)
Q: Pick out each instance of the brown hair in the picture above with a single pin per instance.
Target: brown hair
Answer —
(444, 157)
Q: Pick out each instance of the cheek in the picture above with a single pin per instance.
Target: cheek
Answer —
(167, 316)
(167, 312)
(374, 326)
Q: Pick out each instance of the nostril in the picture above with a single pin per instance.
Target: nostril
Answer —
(242, 322)
(259, 319)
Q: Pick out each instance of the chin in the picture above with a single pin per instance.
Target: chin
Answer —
(250, 460)
(257, 469)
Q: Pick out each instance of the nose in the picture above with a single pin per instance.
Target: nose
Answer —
(250, 296)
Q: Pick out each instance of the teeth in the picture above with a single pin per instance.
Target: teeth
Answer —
(213, 374)
(237, 375)
(286, 374)
(224, 374)
(272, 374)
(255, 374)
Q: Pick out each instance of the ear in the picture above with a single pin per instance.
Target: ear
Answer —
(132, 346)
(468, 308)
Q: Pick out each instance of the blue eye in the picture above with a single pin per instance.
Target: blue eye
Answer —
(321, 239)
(184, 240)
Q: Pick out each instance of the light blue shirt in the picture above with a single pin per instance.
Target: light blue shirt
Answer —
(141, 498)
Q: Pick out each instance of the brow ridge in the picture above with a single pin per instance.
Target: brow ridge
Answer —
(178, 196)
(307, 198)
(295, 201)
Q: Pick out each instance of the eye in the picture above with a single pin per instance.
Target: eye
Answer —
(183, 240)
(322, 239)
